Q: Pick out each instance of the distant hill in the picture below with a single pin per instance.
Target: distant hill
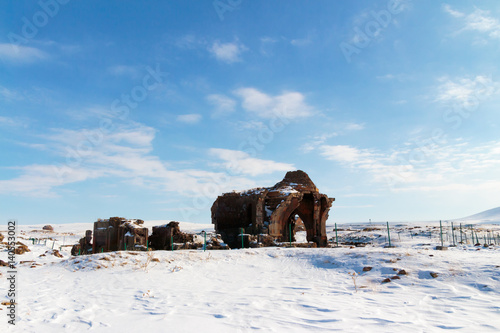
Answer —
(488, 216)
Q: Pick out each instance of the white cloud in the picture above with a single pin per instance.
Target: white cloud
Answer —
(300, 42)
(397, 77)
(288, 105)
(479, 20)
(21, 54)
(338, 129)
(447, 8)
(9, 94)
(268, 40)
(188, 42)
(250, 125)
(422, 164)
(223, 104)
(239, 162)
(191, 118)
(227, 52)
(345, 154)
(8, 122)
(125, 154)
(354, 127)
(466, 91)
(267, 45)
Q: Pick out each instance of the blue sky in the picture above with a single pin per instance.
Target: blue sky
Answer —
(152, 109)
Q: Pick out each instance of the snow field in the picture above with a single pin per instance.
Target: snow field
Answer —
(265, 289)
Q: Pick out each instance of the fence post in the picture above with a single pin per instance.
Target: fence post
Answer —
(441, 232)
(453, 234)
(388, 234)
(242, 242)
(461, 239)
(336, 235)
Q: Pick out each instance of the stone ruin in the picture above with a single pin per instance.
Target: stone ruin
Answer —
(165, 237)
(84, 245)
(257, 217)
(273, 212)
(118, 233)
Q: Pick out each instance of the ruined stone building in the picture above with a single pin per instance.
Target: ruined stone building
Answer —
(165, 236)
(273, 211)
(118, 233)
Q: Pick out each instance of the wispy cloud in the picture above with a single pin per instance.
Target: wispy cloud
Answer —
(337, 130)
(189, 42)
(21, 54)
(192, 118)
(466, 91)
(300, 42)
(479, 20)
(10, 122)
(288, 105)
(124, 70)
(455, 13)
(458, 164)
(354, 127)
(125, 154)
(9, 94)
(223, 104)
(227, 52)
(239, 162)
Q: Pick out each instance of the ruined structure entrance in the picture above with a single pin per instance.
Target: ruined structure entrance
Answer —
(272, 211)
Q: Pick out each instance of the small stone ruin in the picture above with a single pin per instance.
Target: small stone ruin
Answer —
(118, 233)
(165, 237)
(273, 211)
(84, 245)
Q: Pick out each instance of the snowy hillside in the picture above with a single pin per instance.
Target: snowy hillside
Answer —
(409, 288)
(488, 216)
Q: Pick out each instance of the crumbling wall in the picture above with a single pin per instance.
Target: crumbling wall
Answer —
(106, 234)
(132, 237)
(84, 245)
(164, 236)
(118, 233)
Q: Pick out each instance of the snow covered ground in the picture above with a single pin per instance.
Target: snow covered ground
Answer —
(265, 289)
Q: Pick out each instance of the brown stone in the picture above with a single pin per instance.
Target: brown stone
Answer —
(387, 280)
(1, 238)
(3, 263)
(163, 236)
(132, 237)
(84, 245)
(21, 248)
(56, 253)
(434, 275)
(273, 211)
(367, 269)
(402, 272)
(118, 233)
(48, 228)
(395, 277)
